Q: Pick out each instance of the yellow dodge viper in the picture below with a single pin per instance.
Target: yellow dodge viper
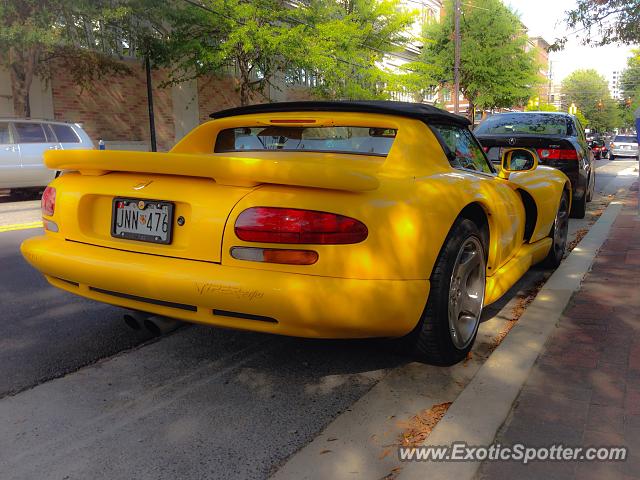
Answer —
(312, 219)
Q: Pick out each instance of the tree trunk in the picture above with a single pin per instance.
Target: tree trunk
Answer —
(244, 82)
(471, 112)
(22, 65)
(244, 92)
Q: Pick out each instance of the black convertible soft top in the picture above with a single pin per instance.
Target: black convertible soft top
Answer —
(426, 113)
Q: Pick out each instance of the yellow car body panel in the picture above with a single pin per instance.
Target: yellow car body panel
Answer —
(213, 294)
(408, 200)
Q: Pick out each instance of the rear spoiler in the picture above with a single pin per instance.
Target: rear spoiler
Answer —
(225, 170)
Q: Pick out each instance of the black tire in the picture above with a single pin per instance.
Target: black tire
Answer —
(592, 186)
(612, 157)
(579, 207)
(558, 234)
(431, 340)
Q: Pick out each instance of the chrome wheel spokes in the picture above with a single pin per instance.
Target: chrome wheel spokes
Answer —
(466, 292)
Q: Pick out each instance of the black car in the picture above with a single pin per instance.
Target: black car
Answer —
(559, 140)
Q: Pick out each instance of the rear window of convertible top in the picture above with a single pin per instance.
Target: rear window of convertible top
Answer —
(351, 140)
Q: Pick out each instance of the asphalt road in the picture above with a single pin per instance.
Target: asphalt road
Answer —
(200, 402)
(45, 332)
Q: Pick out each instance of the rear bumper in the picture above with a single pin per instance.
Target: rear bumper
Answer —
(624, 152)
(240, 298)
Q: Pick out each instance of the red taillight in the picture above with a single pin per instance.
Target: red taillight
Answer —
(557, 154)
(48, 202)
(289, 225)
(486, 149)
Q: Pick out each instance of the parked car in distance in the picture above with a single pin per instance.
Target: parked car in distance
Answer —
(623, 146)
(559, 140)
(22, 146)
(312, 219)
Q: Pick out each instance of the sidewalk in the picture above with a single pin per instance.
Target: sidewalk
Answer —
(584, 389)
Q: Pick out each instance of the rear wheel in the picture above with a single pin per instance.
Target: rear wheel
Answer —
(447, 329)
(559, 233)
(592, 186)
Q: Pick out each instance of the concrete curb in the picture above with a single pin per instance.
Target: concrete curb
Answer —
(479, 411)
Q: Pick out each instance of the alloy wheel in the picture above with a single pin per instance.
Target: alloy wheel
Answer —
(466, 292)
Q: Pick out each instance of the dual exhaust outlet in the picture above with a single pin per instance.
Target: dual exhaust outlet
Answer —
(155, 324)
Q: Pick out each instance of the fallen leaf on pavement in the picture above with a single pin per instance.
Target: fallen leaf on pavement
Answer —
(418, 428)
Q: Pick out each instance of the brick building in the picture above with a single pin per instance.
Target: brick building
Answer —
(115, 108)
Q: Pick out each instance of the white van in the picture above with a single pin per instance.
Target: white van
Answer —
(23, 143)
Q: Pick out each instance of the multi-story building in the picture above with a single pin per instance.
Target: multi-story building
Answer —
(614, 85)
(540, 48)
(556, 97)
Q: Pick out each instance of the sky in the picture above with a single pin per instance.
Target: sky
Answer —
(545, 18)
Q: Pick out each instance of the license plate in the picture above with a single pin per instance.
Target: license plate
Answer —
(143, 220)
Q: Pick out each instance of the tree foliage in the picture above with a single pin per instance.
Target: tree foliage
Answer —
(589, 91)
(630, 88)
(495, 69)
(601, 22)
(338, 42)
(349, 42)
(85, 36)
(542, 107)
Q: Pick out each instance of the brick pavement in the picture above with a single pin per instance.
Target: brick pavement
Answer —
(584, 390)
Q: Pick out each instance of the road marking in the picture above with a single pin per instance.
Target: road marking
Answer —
(20, 226)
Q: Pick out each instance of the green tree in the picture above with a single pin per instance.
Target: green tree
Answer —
(630, 87)
(85, 36)
(543, 107)
(495, 69)
(614, 21)
(582, 119)
(338, 42)
(349, 42)
(590, 93)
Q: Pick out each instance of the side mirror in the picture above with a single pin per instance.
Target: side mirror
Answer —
(517, 160)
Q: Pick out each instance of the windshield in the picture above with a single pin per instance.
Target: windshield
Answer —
(625, 139)
(527, 123)
(353, 140)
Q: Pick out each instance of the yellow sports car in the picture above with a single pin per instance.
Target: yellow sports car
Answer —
(312, 219)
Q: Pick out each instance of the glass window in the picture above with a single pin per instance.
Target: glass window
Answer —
(65, 133)
(353, 140)
(526, 123)
(51, 138)
(5, 138)
(625, 139)
(465, 152)
(30, 133)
